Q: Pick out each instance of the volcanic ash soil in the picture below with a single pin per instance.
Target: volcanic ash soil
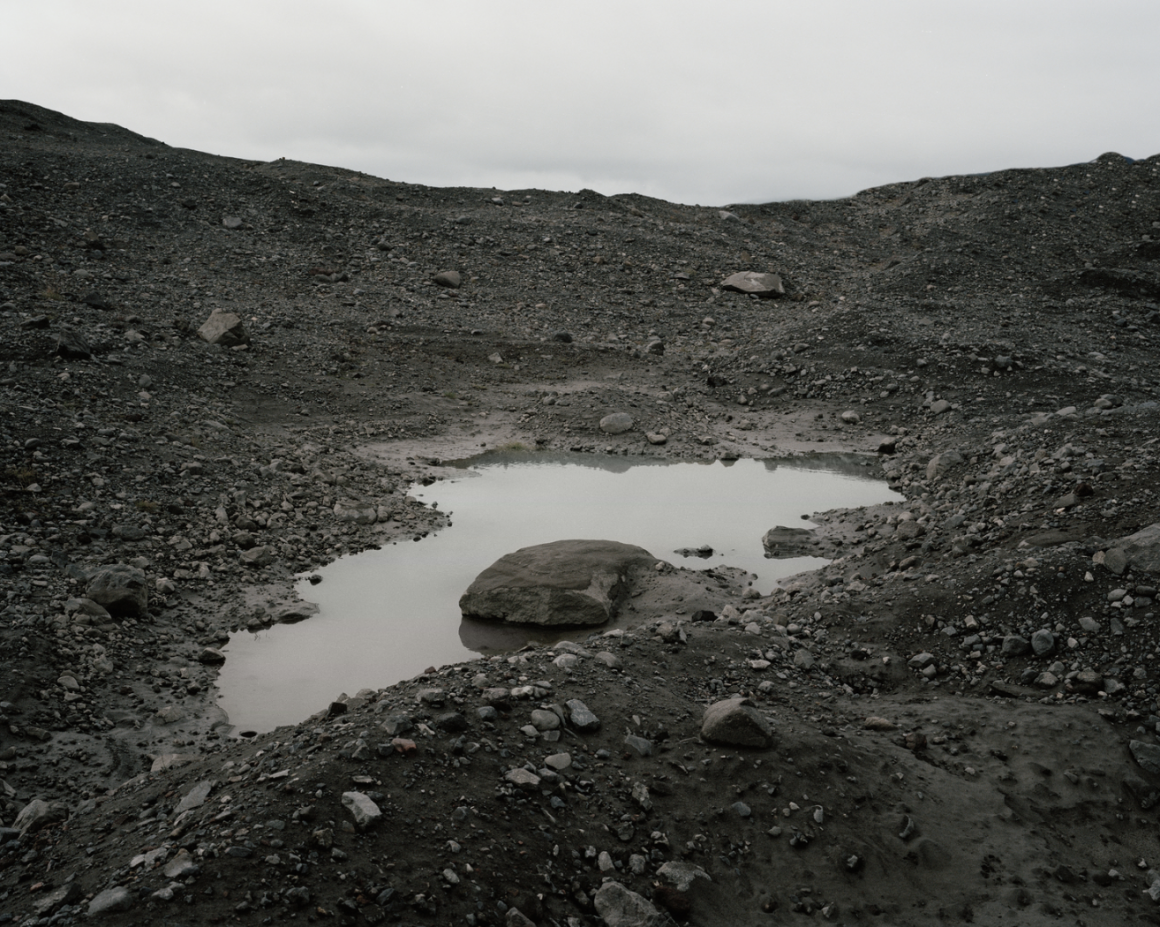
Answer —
(955, 720)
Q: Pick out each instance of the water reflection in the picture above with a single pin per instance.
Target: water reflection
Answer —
(386, 615)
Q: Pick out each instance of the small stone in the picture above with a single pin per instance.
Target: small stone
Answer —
(211, 657)
(182, 866)
(522, 779)
(195, 797)
(224, 328)
(545, 720)
(748, 281)
(120, 589)
(257, 557)
(736, 722)
(449, 278)
(581, 718)
(616, 423)
(620, 907)
(942, 463)
(39, 813)
(682, 875)
(362, 809)
(118, 898)
(233, 223)
(1147, 755)
(71, 344)
(1042, 642)
(851, 418)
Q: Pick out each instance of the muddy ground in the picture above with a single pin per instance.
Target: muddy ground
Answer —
(964, 702)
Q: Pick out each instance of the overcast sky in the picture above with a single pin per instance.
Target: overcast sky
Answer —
(710, 102)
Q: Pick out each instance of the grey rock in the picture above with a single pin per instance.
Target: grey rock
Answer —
(39, 813)
(449, 278)
(120, 589)
(941, 463)
(224, 328)
(581, 717)
(736, 722)
(939, 406)
(233, 223)
(257, 557)
(781, 542)
(1042, 642)
(1116, 560)
(362, 809)
(621, 907)
(544, 720)
(70, 893)
(561, 583)
(1146, 755)
(516, 918)
(522, 779)
(360, 513)
(1015, 646)
(71, 344)
(617, 423)
(682, 875)
(748, 281)
(182, 866)
(111, 900)
(211, 657)
(195, 797)
(639, 745)
(1142, 549)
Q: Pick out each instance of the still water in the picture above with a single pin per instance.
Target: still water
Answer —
(386, 615)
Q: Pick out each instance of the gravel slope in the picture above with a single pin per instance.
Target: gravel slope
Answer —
(963, 703)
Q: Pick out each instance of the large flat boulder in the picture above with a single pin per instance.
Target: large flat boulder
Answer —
(562, 583)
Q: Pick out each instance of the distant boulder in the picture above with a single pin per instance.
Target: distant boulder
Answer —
(561, 583)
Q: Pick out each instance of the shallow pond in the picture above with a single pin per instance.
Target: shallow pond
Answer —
(388, 614)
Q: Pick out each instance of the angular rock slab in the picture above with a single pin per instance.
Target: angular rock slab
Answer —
(560, 584)
(224, 328)
(121, 589)
(362, 809)
(735, 722)
(749, 281)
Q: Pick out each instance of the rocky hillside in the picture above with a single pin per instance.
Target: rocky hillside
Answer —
(218, 374)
